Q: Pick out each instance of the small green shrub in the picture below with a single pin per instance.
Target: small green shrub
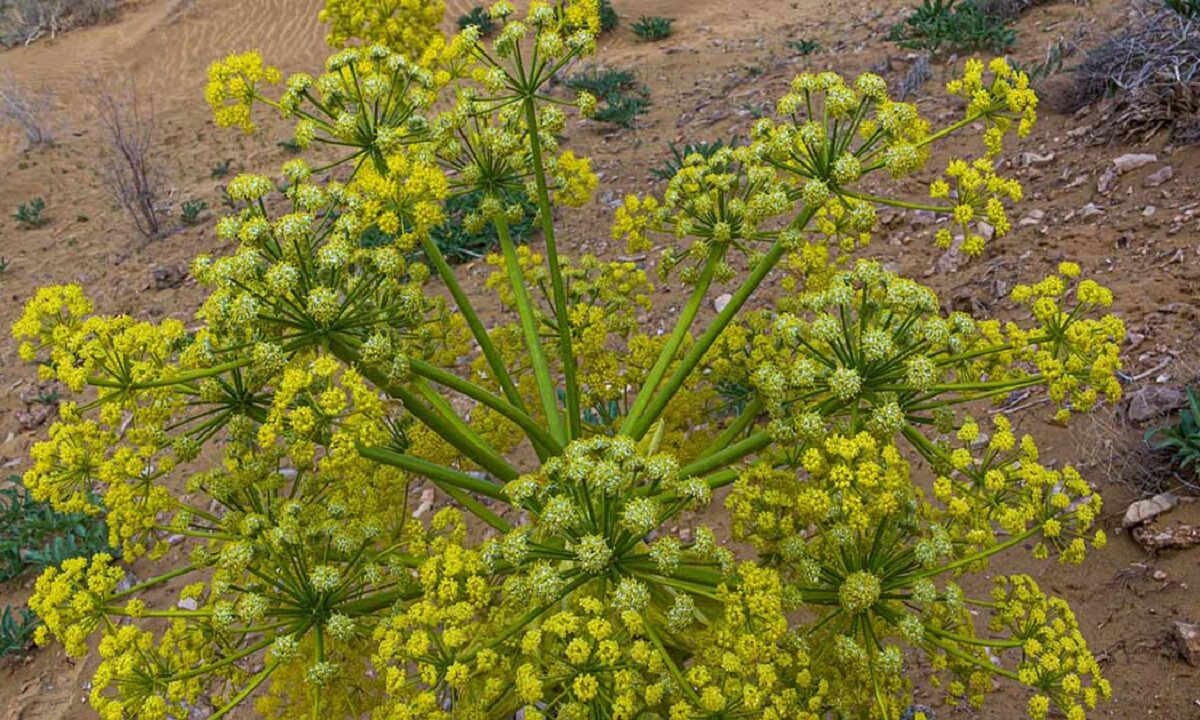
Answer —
(1186, 8)
(479, 17)
(16, 631)
(805, 46)
(3, 265)
(623, 98)
(948, 26)
(609, 19)
(30, 214)
(34, 536)
(291, 145)
(220, 169)
(1182, 439)
(190, 211)
(679, 155)
(653, 27)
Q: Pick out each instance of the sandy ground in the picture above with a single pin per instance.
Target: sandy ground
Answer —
(725, 62)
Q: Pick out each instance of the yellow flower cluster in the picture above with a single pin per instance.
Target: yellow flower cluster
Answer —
(233, 87)
(340, 368)
(408, 27)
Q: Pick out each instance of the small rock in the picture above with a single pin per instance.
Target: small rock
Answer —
(722, 301)
(188, 604)
(923, 217)
(1032, 159)
(1143, 510)
(1187, 636)
(986, 230)
(1151, 401)
(1107, 181)
(1150, 210)
(1159, 575)
(1090, 211)
(1033, 218)
(1133, 161)
(1160, 176)
(168, 276)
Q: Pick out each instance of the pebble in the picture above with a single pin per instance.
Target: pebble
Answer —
(1090, 210)
(1133, 161)
(1160, 176)
(722, 301)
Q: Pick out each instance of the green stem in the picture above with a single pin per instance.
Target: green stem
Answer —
(433, 471)
(479, 452)
(533, 431)
(643, 422)
(674, 341)
(495, 362)
(728, 456)
(557, 285)
(529, 326)
(257, 680)
(183, 377)
(474, 506)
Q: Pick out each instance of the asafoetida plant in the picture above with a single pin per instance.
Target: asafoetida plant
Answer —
(281, 436)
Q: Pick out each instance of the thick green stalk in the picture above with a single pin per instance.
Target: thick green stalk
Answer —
(674, 341)
(686, 366)
(476, 508)
(433, 471)
(557, 286)
(529, 325)
(536, 433)
(463, 303)
(482, 454)
(257, 680)
(728, 456)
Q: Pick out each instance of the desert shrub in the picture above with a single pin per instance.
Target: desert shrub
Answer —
(189, 211)
(33, 536)
(24, 21)
(220, 169)
(567, 438)
(949, 26)
(806, 46)
(704, 150)
(613, 96)
(1150, 73)
(131, 172)
(1186, 8)
(609, 19)
(30, 214)
(17, 631)
(29, 111)
(479, 17)
(653, 27)
(1181, 440)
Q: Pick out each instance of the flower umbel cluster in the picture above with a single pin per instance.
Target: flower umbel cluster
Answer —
(560, 562)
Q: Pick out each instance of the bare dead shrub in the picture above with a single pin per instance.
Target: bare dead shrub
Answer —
(1149, 71)
(24, 21)
(130, 171)
(29, 110)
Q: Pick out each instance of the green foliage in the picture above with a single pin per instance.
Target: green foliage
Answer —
(3, 265)
(291, 145)
(948, 26)
(609, 19)
(479, 17)
(220, 169)
(624, 99)
(1182, 439)
(34, 536)
(30, 214)
(190, 211)
(679, 155)
(806, 46)
(653, 27)
(16, 631)
(1186, 8)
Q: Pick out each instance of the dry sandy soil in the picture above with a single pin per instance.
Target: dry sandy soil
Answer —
(726, 61)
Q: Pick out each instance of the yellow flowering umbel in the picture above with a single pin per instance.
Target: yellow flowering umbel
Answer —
(268, 454)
